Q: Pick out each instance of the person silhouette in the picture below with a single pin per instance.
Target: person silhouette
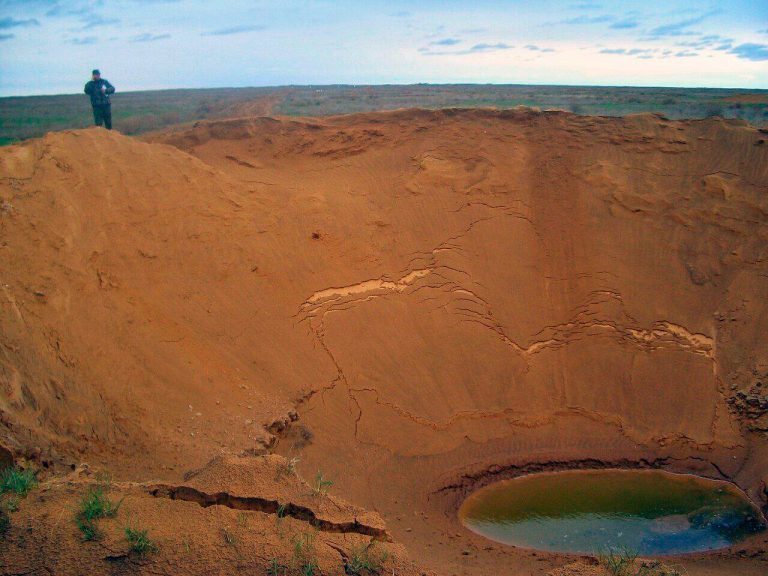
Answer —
(99, 89)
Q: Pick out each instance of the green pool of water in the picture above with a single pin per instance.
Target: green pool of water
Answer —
(646, 511)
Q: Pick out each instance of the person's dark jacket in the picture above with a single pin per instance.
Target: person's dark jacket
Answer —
(98, 96)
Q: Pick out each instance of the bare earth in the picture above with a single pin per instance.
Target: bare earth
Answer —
(415, 303)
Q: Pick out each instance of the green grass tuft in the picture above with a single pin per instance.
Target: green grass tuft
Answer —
(304, 555)
(94, 506)
(322, 485)
(309, 569)
(619, 562)
(276, 569)
(17, 481)
(624, 562)
(15, 484)
(365, 560)
(140, 542)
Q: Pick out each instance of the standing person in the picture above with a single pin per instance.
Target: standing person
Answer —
(99, 90)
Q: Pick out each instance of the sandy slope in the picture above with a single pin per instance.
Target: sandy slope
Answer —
(414, 302)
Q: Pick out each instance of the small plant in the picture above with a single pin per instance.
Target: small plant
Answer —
(304, 558)
(140, 542)
(287, 468)
(624, 562)
(309, 569)
(94, 506)
(279, 517)
(365, 560)
(619, 562)
(322, 485)
(88, 529)
(17, 481)
(276, 569)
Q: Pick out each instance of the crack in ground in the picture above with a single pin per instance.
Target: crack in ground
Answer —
(586, 322)
(266, 506)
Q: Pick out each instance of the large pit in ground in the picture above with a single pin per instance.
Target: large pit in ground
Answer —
(444, 297)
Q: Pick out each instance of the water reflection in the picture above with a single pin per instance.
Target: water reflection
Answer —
(649, 512)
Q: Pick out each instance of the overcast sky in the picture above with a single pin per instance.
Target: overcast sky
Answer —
(50, 46)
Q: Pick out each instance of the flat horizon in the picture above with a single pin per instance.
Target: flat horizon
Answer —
(394, 84)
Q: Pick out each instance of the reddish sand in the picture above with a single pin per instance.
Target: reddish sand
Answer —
(414, 302)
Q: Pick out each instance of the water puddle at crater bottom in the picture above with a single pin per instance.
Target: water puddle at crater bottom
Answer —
(646, 511)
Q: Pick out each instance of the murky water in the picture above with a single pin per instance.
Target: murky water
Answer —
(646, 511)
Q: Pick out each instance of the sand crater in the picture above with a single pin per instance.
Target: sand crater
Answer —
(488, 293)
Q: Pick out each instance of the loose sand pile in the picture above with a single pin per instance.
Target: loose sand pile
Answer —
(415, 303)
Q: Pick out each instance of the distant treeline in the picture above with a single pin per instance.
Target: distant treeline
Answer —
(138, 112)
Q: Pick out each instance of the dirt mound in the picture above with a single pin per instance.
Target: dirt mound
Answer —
(413, 302)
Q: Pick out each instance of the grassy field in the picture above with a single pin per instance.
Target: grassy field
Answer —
(133, 112)
(137, 112)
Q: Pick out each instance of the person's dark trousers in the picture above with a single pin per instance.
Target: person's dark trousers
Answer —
(103, 115)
